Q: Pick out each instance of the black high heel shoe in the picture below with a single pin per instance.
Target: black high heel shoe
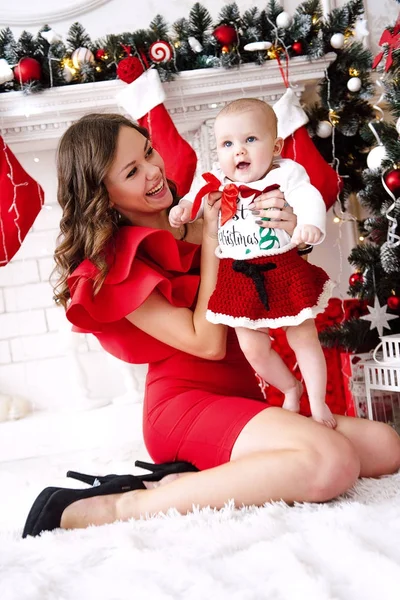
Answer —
(157, 472)
(46, 512)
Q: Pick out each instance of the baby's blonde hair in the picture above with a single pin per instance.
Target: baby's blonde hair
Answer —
(243, 104)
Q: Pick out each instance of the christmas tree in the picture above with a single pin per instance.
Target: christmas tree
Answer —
(376, 259)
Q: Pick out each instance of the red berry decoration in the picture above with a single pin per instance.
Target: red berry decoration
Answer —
(393, 302)
(27, 69)
(297, 48)
(100, 53)
(225, 35)
(129, 69)
(356, 278)
(392, 180)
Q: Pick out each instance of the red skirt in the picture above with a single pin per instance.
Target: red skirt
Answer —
(269, 291)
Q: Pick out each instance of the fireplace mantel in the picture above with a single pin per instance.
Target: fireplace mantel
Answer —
(36, 121)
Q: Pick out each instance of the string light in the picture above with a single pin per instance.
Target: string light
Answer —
(353, 72)
(336, 220)
(361, 238)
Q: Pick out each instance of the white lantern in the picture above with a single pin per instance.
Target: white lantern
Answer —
(376, 156)
(284, 20)
(324, 129)
(354, 84)
(337, 40)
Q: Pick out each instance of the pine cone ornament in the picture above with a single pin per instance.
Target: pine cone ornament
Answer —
(390, 258)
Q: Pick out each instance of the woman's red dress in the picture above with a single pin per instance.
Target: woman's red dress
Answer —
(194, 409)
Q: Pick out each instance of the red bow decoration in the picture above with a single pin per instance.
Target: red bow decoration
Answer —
(392, 39)
(229, 197)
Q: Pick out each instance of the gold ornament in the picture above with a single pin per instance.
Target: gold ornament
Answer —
(333, 117)
(353, 72)
(274, 52)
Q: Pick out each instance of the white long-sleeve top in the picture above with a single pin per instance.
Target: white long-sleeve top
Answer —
(241, 237)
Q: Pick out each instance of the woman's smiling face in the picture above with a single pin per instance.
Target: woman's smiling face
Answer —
(136, 181)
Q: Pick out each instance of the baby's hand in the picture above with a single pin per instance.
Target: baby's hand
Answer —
(180, 214)
(306, 234)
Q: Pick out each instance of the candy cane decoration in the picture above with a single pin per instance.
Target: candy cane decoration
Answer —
(160, 52)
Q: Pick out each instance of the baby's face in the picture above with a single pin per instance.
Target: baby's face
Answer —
(246, 144)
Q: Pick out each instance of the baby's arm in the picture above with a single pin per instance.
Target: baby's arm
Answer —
(306, 234)
(308, 206)
(181, 213)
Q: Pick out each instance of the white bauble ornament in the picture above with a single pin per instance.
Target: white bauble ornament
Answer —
(50, 36)
(195, 44)
(376, 156)
(354, 84)
(324, 129)
(337, 40)
(398, 125)
(80, 56)
(6, 72)
(284, 20)
(257, 46)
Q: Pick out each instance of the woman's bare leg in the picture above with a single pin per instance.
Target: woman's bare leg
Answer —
(256, 346)
(376, 444)
(278, 455)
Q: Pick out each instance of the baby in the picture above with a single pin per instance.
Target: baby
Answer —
(262, 282)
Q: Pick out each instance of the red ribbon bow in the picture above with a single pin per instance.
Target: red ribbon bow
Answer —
(393, 42)
(229, 197)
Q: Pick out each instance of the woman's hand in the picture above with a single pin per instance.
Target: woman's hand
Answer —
(212, 206)
(272, 206)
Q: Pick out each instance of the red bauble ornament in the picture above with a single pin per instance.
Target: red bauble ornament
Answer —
(297, 48)
(129, 69)
(27, 69)
(393, 302)
(356, 278)
(100, 53)
(392, 180)
(226, 35)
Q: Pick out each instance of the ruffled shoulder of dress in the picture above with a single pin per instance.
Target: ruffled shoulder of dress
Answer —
(142, 260)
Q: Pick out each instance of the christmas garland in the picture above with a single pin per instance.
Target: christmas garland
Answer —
(196, 42)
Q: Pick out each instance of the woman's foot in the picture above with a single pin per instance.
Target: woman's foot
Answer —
(292, 397)
(98, 510)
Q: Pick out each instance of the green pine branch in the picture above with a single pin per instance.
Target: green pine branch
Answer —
(77, 37)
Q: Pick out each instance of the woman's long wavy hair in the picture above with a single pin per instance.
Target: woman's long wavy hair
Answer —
(88, 224)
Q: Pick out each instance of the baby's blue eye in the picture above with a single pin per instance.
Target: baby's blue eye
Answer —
(251, 138)
(227, 144)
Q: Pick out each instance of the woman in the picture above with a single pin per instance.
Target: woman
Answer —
(133, 281)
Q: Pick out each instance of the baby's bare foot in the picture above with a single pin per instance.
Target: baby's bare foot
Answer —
(322, 414)
(292, 397)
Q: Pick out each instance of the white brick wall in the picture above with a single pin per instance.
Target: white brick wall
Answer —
(39, 356)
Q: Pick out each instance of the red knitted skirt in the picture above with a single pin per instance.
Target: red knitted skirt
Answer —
(270, 291)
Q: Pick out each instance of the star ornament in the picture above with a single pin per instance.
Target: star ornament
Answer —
(378, 317)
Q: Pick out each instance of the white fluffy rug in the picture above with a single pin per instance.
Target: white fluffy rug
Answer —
(348, 549)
